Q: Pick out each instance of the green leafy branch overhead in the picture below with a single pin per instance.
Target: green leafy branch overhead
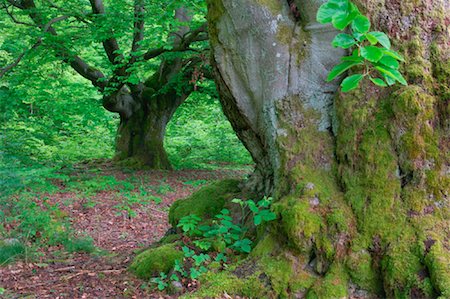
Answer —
(372, 51)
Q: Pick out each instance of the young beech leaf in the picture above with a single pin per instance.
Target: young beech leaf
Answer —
(393, 74)
(382, 38)
(361, 24)
(329, 9)
(351, 82)
(393, 54)
(389, 62)
(372, 39)
(359, 36)
(326, 12)
(352, 58)
(378, 81)
(344, 41)
(342, 19)
(371, 53)
(388, 79)
(341, 68)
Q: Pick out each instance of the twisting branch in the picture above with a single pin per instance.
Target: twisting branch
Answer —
(79, 65)
(187, 39)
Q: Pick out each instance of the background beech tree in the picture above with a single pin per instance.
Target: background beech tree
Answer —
(127, 51)
(361, 180)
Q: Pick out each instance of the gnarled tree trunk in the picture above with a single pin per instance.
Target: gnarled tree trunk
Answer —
(146, 108)
(143, 121)
(361, 180)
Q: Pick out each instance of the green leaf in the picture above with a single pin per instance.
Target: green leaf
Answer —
(389, 62)
(393, 74)
(359, 36)
(372, 39)
(372, 53)
(257, 220)
(342, 19)
(361, 24)
(344, 41)
(341, 68)
(378, 82)
(329, 9)
(382, 38)
(326, 12)
(394, 54)
(351, 82)
(389, 80)
(353, 58)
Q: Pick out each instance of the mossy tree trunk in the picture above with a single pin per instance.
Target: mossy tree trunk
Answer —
(140, 136)
(361, 180)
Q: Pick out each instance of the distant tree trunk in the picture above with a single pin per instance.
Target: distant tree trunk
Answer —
(361, 180)
(146, 108)
(140, 136)
(145, 112)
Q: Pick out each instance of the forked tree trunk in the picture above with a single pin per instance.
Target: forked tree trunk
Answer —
(361, 180)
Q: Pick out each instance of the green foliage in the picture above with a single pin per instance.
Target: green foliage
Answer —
(200, 136)
(373, 52)
(189, 223)
(9, 251)
(197, 252)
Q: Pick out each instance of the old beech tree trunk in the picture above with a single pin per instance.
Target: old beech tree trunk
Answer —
(361, 180)
(146, 108)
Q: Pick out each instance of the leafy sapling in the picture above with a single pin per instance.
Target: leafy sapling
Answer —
(189, 224)
(371, 49)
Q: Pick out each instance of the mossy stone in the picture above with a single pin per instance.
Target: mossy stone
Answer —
(155, 260)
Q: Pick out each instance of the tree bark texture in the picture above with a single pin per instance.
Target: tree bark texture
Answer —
(362, 179)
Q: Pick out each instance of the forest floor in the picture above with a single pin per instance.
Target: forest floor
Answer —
(121, 222)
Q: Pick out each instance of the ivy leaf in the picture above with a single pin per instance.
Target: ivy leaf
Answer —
(371, 53)
(351, 82)
(389, 62)
(341, 68)
(344, 41)
(382, 38)
(361, 24)
(394, 54)
(378, 82)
